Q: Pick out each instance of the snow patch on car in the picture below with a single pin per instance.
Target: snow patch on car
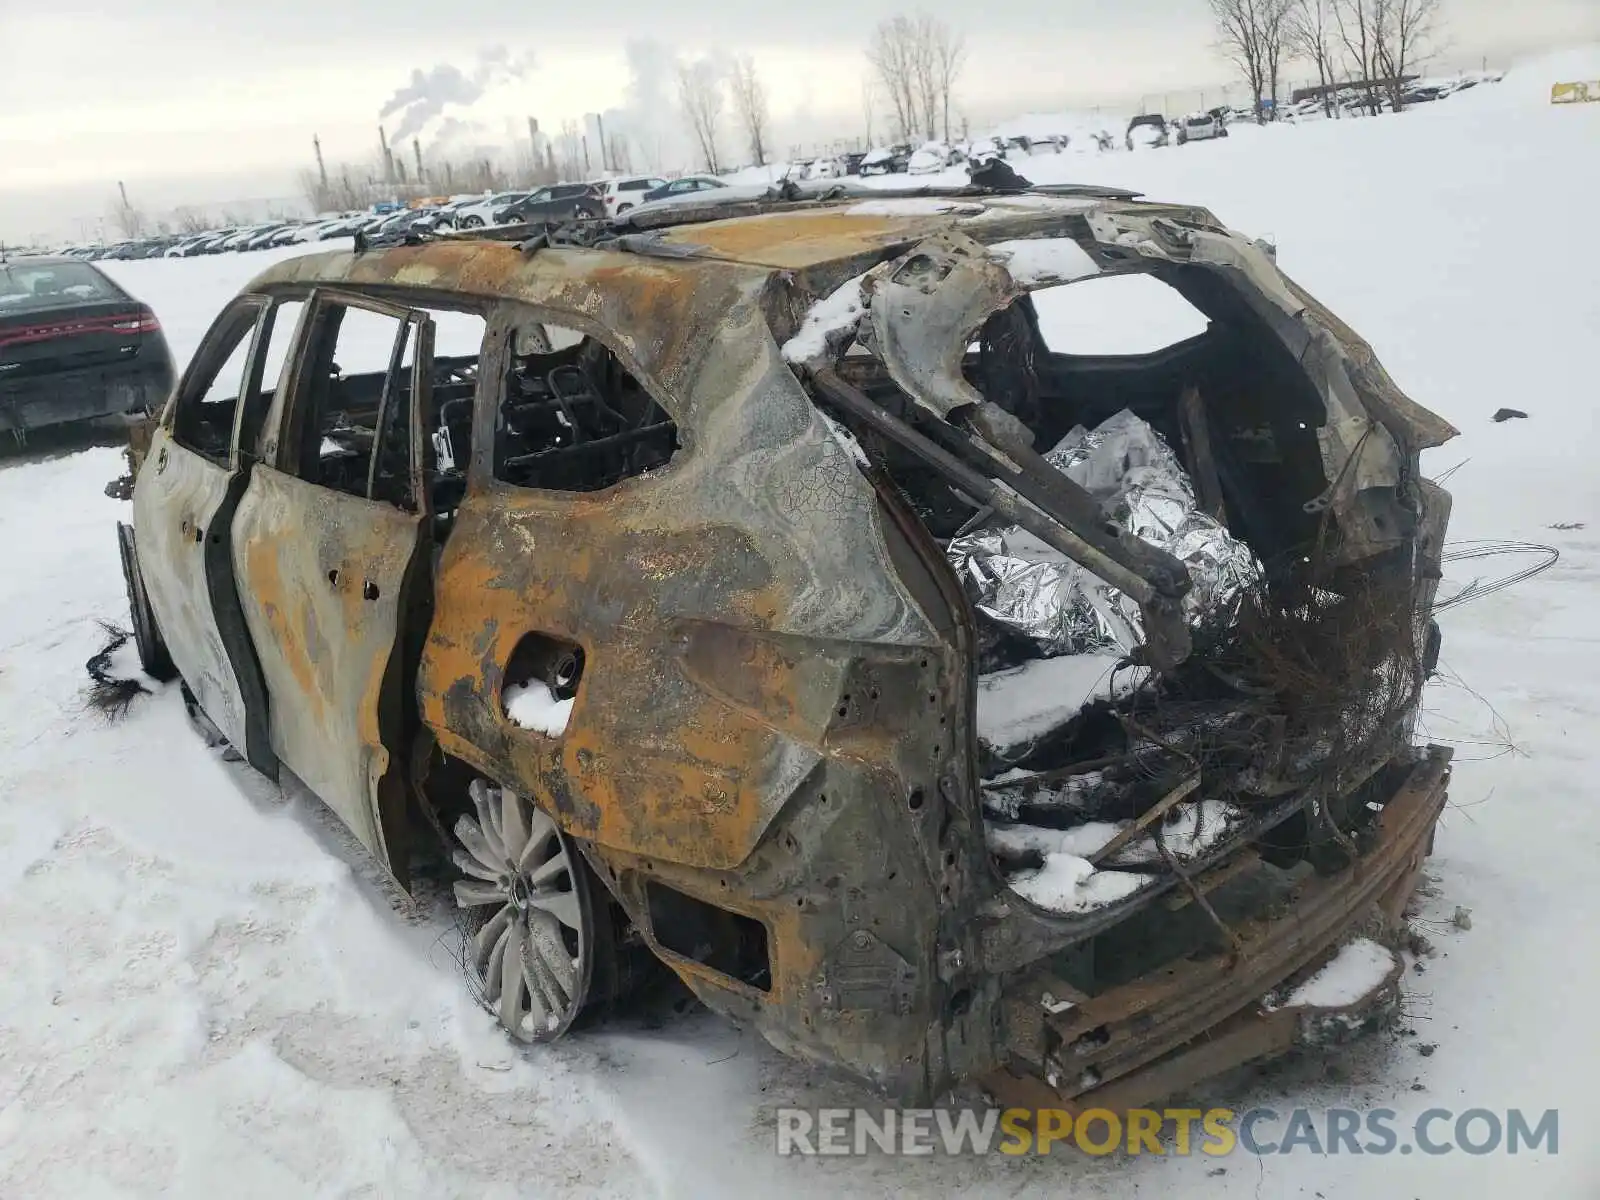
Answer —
(1360, 967)
(846, 439)
(1024, 702)
(534, 706)
(834, 313)
(1187, 832)
(914, 206)
(1038, 261)
(1067, 883)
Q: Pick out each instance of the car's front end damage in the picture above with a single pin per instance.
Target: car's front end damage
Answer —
(1182, 601)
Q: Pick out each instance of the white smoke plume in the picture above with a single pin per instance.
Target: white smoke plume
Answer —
(647, 124)
(430, 92)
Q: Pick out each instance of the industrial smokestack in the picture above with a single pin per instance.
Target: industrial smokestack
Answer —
(600, 132)
(388, 158)
(416, 149)
(322, 169)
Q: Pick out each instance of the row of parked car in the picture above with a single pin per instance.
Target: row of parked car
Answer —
(233, 238)
(1358, 100)
(934, 156)
(560, 201)
(1153, 129)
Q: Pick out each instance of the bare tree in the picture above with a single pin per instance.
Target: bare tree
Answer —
(569, 161)
(700, 93)
(1309, 35)
(949, 52)
(925, 74)
(620, 149)
(130, 221)
(337, 193)
(918, 60)
(1405, 30)
(750, 105)
(1274, 33)
(191, 220)
(1250, 35)
(892, 53)
(1358, 24)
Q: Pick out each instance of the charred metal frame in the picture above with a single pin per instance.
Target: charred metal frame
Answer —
(776, 713)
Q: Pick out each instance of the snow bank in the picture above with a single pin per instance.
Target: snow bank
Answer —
(1360, 967)
(1527, 84)
(534, 706)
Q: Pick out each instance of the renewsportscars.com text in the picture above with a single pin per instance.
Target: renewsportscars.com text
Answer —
(1177, 1131)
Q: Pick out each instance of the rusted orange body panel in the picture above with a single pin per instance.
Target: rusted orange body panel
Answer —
(320, 580)
(776, 715)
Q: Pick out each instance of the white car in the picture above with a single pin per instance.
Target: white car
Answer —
(1201, 127)
(476, 216)
(619, 195)
(934, 157)
(683, 188)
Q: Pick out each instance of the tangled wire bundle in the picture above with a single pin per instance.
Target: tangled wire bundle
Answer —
(1304, 691)
(107, 693)
(1544, 558)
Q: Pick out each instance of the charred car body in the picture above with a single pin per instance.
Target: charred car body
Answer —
(669, 608)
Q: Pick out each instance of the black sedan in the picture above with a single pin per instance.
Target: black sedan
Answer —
(74, 346)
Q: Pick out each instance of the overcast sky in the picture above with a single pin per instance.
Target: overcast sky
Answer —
(194, 101)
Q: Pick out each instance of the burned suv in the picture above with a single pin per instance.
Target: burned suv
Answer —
(752, 584)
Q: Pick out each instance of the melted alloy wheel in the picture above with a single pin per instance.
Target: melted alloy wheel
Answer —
(534, 956)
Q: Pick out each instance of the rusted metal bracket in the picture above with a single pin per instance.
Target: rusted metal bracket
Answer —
(1066, 500)
(1154, 813)
(1016, 497)
(1202, 460)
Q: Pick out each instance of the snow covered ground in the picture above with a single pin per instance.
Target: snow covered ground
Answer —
(203, 993)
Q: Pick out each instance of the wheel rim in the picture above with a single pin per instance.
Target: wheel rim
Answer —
(533, 956)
